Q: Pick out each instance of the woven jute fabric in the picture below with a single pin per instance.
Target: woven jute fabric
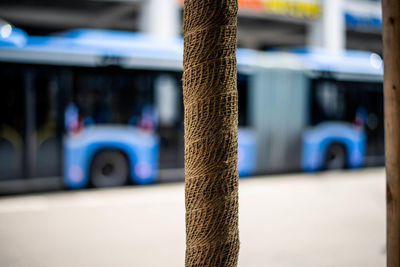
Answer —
(211, 146)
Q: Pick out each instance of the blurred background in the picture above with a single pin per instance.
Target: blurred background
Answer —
(91, 90)
(91, 97)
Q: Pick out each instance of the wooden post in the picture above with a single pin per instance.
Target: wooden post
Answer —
(391, 47)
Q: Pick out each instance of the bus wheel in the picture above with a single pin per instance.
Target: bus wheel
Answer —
(109, 168)
(335, 157)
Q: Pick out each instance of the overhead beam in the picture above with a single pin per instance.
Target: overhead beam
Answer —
(69, 18)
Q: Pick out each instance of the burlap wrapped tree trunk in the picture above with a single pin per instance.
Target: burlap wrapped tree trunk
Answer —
(211, 115)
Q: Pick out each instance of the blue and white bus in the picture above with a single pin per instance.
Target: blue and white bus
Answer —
(104, 108)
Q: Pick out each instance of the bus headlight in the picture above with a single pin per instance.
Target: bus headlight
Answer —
(75, 174)
(5, 31)
(356, 158)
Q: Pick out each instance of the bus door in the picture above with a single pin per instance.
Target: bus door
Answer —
(30, 122)
(12, 121)
(50, 92)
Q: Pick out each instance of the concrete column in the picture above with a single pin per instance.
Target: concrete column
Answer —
(329, 31)
(161, 18)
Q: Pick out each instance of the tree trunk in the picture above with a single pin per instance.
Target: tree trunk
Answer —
(211, 116)
(391, 45)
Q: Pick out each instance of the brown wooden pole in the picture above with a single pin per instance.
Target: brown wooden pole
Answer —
(211, 118)
(391, 47)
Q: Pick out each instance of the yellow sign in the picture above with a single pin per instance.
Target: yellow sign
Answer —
(293, 8)
(299, 9)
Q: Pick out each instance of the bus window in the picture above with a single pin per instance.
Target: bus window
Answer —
(169, 102)
(242, 86)
(112, 95)
(328, 101)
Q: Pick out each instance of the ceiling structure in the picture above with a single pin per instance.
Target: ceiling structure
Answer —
(263, 24)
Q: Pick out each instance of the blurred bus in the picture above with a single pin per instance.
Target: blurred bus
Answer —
(315, 110)
(104, 108)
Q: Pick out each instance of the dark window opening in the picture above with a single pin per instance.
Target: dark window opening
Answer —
(242, 85)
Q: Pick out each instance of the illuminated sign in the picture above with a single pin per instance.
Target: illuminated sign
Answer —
(310, 9)
(299, 9)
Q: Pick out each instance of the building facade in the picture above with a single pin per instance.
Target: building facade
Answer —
(263, 24)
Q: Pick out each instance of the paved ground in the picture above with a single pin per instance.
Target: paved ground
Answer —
(333, 219)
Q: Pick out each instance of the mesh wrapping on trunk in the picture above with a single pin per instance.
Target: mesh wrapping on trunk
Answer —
(211, 117)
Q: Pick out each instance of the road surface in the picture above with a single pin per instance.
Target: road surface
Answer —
(331, 219)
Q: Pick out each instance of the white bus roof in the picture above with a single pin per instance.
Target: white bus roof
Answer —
(91, 47)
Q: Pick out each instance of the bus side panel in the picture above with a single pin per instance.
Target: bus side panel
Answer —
(278, 101)
(317, 139)
(247, 152)
(79, 153)
(75, 168)
(145, 168)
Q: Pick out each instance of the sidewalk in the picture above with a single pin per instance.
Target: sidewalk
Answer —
(331, 219)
